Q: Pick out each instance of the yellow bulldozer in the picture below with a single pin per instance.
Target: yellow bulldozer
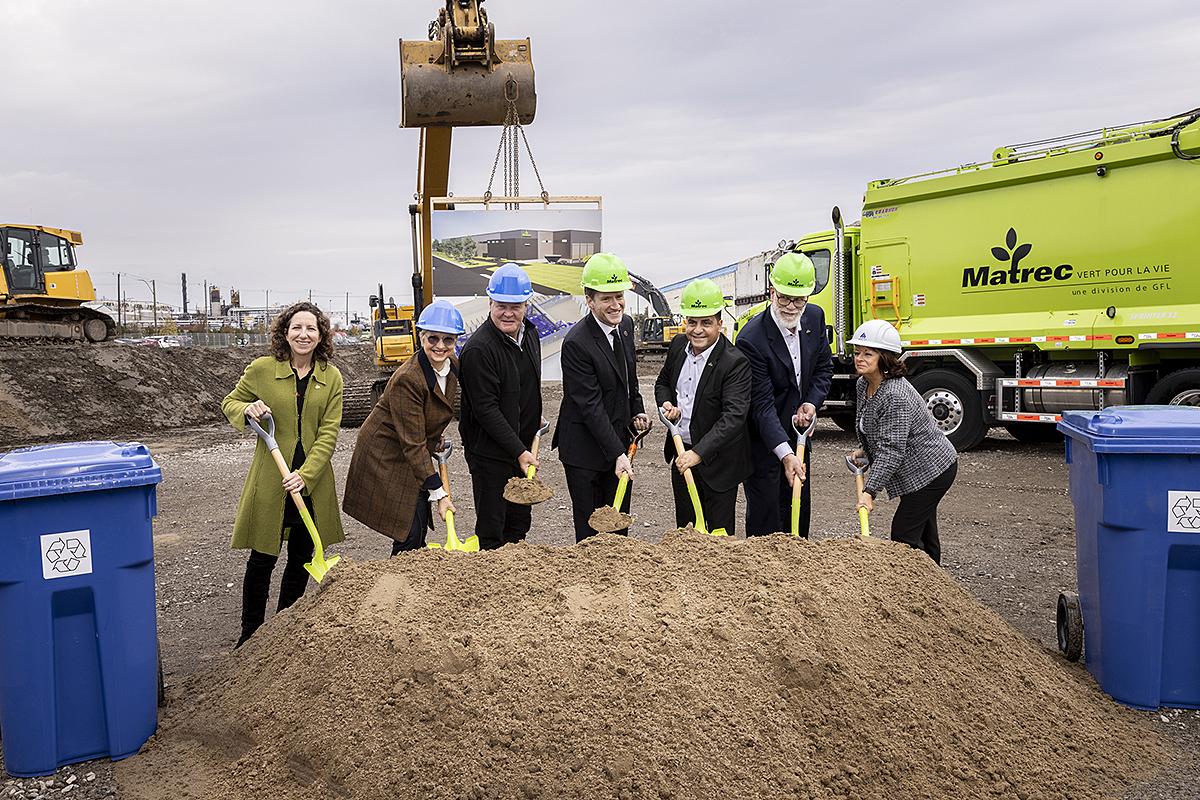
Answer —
(42, 291)
(393, 330)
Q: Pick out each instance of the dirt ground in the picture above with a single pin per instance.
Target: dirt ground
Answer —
(1006, 527)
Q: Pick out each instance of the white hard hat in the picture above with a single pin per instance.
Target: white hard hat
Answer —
(879, 334)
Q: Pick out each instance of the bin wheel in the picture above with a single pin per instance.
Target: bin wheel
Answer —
(162, 686)
(1070, 626)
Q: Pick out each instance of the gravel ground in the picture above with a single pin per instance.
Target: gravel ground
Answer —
(1007, 535)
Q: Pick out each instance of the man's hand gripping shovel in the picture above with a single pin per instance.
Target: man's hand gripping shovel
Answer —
(677, 437)
(802, 437)
(608, 519)
(859, 467)
(319, 566)
(471, 543)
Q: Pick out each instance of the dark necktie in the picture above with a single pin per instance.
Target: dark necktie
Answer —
(619, 353)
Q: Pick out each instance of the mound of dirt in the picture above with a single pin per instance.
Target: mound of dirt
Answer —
(114, 391)
(699, 668)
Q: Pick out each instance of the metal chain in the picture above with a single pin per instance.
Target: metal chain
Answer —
(510, 149)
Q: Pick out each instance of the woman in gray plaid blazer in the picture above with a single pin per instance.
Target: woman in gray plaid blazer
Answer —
(910, 457)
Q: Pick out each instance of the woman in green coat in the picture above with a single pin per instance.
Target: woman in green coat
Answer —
(302, 391)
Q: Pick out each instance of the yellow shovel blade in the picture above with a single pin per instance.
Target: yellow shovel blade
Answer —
(319, 568)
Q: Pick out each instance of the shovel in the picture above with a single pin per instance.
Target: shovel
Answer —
(608, 519)
(802, 437)
(677, 437)
(529, 491)
(859, 468)
(471, 543)
(318, 566)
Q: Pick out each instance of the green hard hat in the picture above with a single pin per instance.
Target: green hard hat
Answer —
(701, 298)
(794, 275)
(605, 272)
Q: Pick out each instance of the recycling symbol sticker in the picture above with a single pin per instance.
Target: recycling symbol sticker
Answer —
(1183, 512)
(66, 554)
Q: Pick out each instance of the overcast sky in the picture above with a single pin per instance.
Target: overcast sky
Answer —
(256, 144)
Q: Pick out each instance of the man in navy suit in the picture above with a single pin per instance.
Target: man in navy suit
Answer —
(792, 369)
(601, 400)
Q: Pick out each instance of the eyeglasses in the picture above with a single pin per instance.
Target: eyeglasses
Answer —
(444, 341)
(795, 302)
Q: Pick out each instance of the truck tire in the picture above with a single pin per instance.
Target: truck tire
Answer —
(843, 421)
(955, 405)
(1179, 388)
(1069, 626)
(1034, 432)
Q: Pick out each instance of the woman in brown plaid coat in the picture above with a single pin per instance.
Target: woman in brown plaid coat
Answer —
(392, 478)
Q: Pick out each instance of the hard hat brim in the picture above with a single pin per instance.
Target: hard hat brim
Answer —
(875, 344)
(510, 298)
(624, 286)
(434, 328)
(794, 291)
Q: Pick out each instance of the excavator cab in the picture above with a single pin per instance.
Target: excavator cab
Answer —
(463, 76)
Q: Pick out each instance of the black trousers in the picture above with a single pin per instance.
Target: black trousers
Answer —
(420, 526)
(589, 490)
(769, 498)
(720, 508)
(915, 521)
(256, 585)
(497, 521)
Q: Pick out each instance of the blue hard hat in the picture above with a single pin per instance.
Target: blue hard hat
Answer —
(510, 284)
(441, 316)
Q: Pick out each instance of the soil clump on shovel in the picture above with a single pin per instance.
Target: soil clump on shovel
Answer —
(527, 491)
(607, 519)
(698, 668)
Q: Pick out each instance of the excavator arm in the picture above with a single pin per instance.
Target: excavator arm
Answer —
(462, 76)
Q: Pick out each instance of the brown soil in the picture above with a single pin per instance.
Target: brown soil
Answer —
(607, 519)
(696, 668)
(61, 391)
(527, 491)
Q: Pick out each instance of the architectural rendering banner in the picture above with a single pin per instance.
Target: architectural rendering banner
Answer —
(551, 245)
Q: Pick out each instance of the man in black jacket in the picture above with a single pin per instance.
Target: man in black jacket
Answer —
(792, 370)
(601, 399)
(500, 373)
(704, 387)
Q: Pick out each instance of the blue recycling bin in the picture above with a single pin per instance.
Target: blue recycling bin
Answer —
(1135, 484)
(78, 641)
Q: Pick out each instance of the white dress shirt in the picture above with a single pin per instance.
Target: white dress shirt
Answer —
(440, 374)
(607, 330)
(791, 339)
(686, 386)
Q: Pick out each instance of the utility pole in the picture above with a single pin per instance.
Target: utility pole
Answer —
(347, 312)
(154, 302)
(310, 295)
(207, 305)
(268, 312)
(185, 294)
(120, 325)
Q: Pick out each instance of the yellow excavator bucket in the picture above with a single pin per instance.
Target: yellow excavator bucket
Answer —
(464, 76)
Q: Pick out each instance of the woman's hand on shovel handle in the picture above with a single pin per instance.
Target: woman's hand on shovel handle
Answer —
(866, 501)
(293, 483)
(445, 505)
(526, 460)
(257, 409)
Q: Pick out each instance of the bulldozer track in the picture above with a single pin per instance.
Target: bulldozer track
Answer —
(357, 401)
(71, 322)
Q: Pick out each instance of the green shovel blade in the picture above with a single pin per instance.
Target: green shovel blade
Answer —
(319, 566)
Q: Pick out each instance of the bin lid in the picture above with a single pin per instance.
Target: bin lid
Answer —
(75, 467)
(1136, 429)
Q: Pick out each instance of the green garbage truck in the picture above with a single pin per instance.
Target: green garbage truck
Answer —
(1060, 274)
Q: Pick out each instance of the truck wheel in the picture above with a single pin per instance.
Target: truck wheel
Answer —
(1069, 622)
(1180, 388)
(843, 421)
(1034, 432)
(954, 403)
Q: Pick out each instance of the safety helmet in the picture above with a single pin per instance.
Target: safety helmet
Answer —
(701, 298)
(793, 274)
(510, 284)
(879, 334)
(441, 316)
(605, 272)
